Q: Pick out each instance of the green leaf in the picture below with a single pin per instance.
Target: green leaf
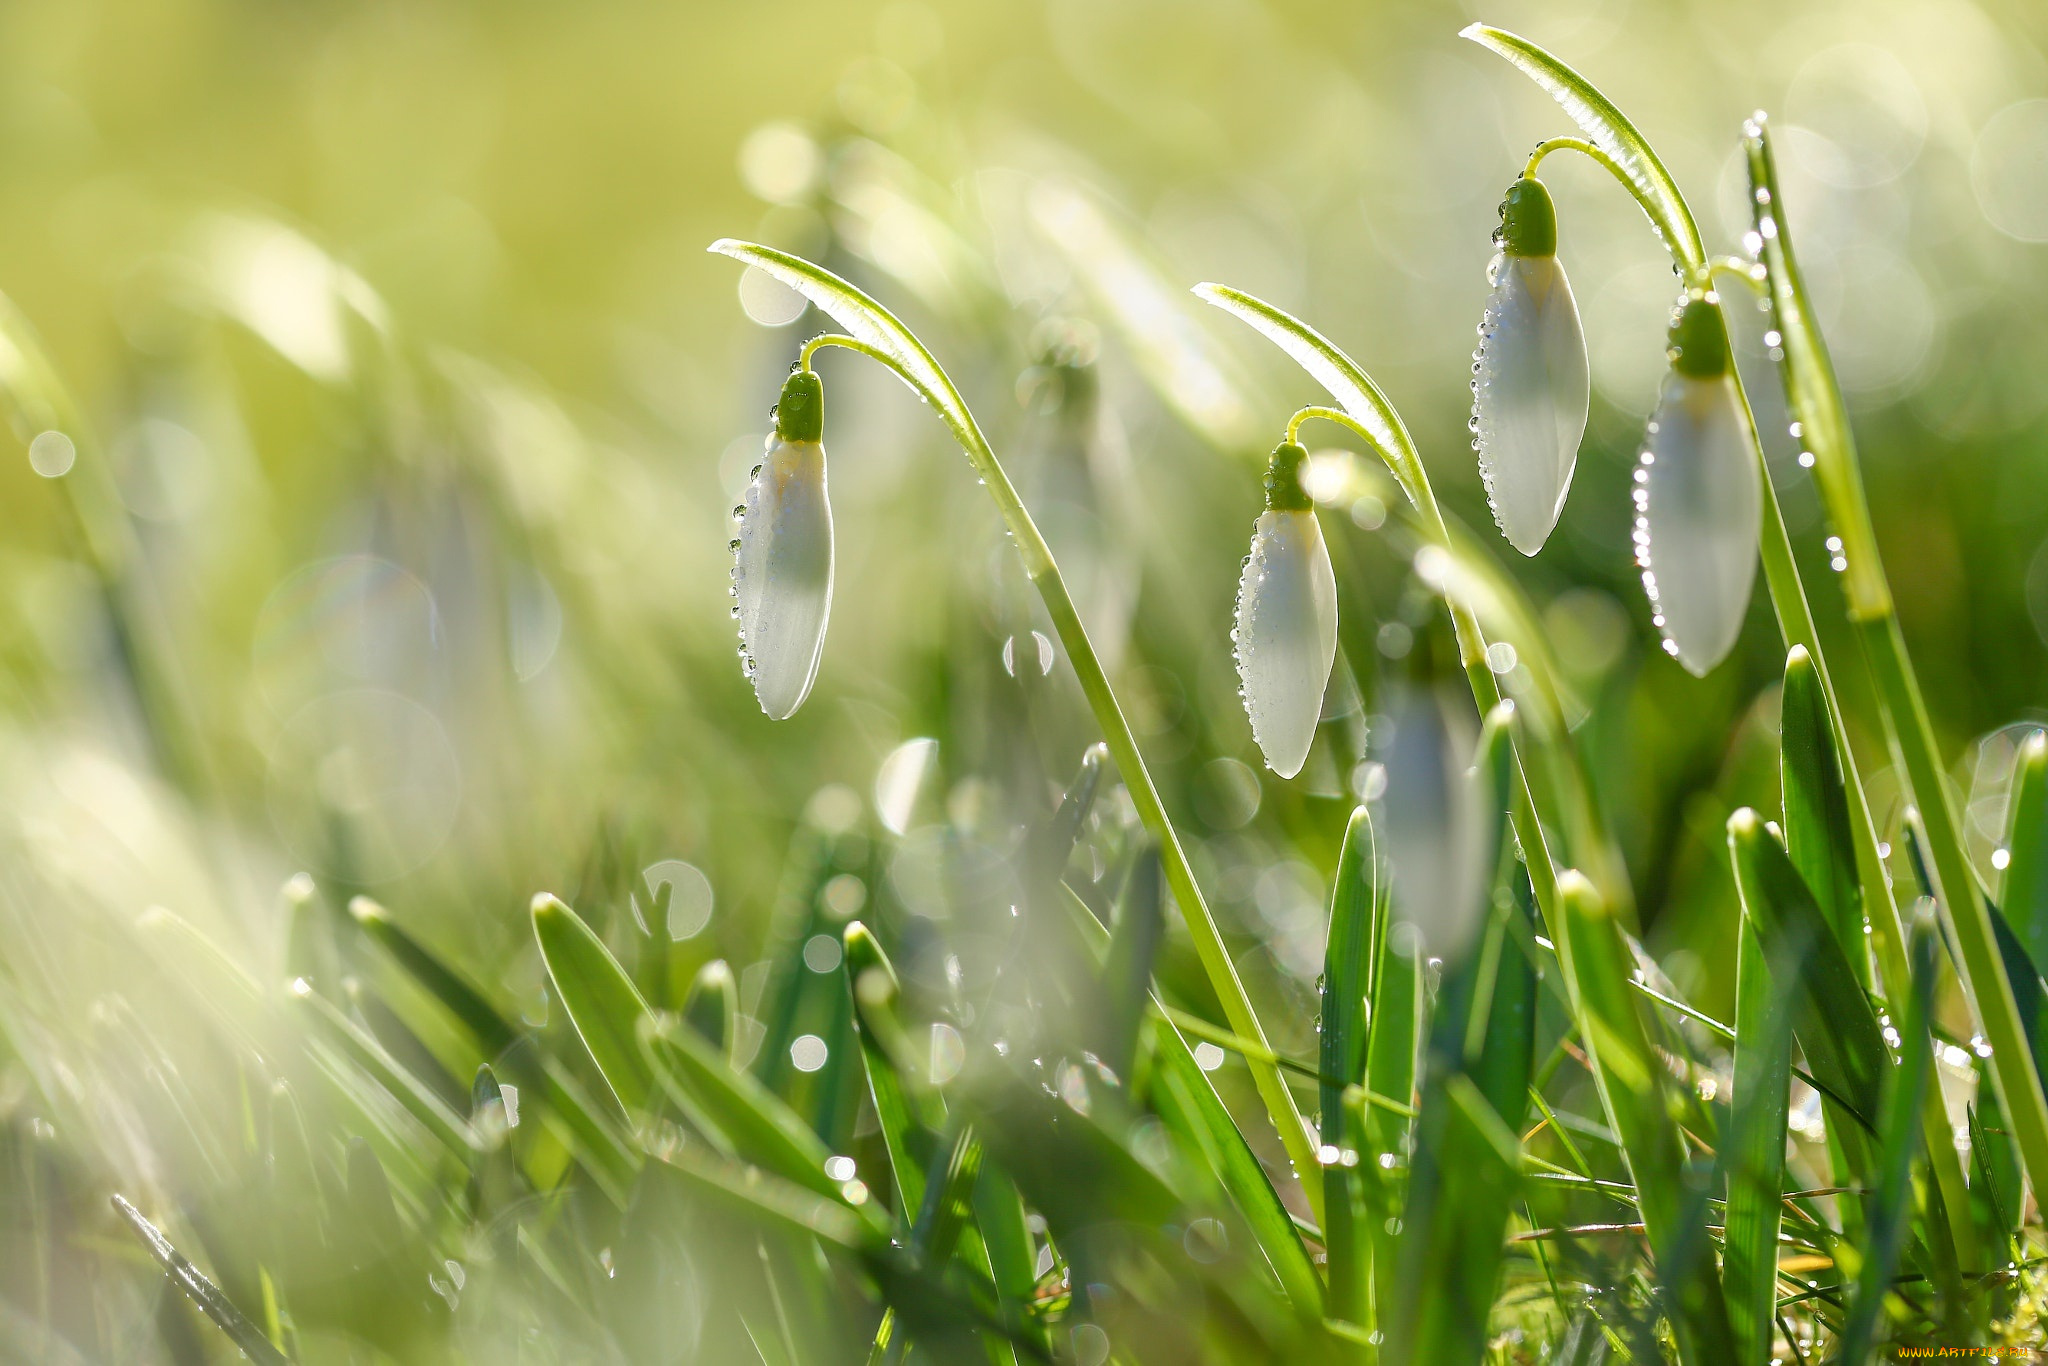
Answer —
(1610, 131)
(600, 999)
(2023, 896)
(1811, 393)
(201, 1291)
(1127, 975)
(1357, 911)
(1835, 1025)
(1393, 1033)
(1632, 1086)
(738, 1114)
(865, 320)
(1754, 1151)
(1817, 835)
(1453, 1250)
(1899, 1129)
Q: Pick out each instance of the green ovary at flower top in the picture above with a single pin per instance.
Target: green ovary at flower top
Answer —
(1286, 632)
(1530, 380)
(782, 557)
(1699, 508)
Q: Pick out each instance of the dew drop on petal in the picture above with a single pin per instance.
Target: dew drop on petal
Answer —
(1530, 391)
(1286, 635)
(1702, 519)
(782, 575)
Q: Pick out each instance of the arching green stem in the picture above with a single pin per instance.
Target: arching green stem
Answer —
(1407, 468)
(938, 391)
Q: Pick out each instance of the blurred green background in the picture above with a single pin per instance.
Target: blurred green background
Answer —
(411, 412)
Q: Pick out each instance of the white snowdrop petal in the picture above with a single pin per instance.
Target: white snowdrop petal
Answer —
(1699, 526)
(782, 575)
(1530, 389)
(1286, 635)
(1433, 822)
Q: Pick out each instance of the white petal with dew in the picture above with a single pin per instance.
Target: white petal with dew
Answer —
(1530, 389)
(1700, 510)
(782, 574)
(1286, 635)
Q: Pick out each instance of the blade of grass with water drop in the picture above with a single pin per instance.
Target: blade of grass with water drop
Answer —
(1816, 807)
(201, 1291)
(712, 1006)
(881, 336)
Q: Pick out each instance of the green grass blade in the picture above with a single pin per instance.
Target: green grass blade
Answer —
(415, 1095)
(1816, 806)
(740, 1114)
(1900, 1135)
(600, 1000)
(2023, 896)
(201, 1291)
(1196, 1116)
(1754, 1155)
(566, 1103)
(1454, 1250)
(1610, 131)
(1006, 1237)
(492, 1031)
(908, 1116)
(1355, 904)
(1632, 1087)
(1393, 1033)
(1127, 974)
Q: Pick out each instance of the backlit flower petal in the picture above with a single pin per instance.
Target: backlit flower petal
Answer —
(1699, 513)
(782, 574)
(1286, 635)
(1530, 389)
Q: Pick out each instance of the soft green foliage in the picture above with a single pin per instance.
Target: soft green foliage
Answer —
(996, 1007)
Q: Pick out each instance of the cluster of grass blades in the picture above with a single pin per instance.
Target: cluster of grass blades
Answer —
(1516, 1144)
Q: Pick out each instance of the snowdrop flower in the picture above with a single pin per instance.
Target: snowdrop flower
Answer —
(1530, 382)
(1286, 632)
(782, 557)
(1698, 505)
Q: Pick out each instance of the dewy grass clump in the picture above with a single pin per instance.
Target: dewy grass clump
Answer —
(993, 1080)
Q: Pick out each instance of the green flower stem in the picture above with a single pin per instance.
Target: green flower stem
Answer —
(1984, 979)
(1579, 145)
(1044, 574)
(1816, 402)
(1406, 465)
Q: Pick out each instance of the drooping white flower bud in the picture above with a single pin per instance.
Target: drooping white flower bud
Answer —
(1530, 381)
(1286, 631)
(782, 556)
(1699, 508)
